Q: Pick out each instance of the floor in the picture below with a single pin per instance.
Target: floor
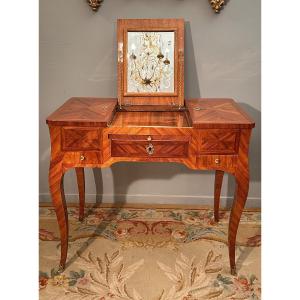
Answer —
(149, 254)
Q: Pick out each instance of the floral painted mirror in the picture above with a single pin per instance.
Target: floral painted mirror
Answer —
(151, 62)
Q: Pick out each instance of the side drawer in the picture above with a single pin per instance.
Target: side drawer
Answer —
(80, 138)
(219, 141)
(123, 145)
(83, 158)
(217, 162)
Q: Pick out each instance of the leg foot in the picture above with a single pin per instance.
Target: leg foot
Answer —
(233, 271)
(61, 268)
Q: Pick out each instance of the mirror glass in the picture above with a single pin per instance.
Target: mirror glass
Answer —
(150, 62)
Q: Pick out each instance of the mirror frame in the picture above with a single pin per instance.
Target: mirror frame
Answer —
(175, 99)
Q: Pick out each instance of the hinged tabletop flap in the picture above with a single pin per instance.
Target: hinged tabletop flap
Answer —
(218, 113)
(85, 111)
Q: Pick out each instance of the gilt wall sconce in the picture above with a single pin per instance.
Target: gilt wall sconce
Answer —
(94, 4)
(217, 5)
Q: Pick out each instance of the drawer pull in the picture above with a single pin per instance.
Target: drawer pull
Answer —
(197, 108)
(149, 138)
(217, 161)
(82, 157)
(150, 149)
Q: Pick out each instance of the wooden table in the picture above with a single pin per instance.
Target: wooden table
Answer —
(206, 134)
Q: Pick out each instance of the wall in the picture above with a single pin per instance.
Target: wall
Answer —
(78, 58)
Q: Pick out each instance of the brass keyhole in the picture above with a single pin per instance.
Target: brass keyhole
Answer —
(150, 149)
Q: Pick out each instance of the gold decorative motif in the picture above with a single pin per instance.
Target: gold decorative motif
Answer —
(217, 5)
(94, 4)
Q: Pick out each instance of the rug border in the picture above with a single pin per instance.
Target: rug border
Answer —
(146, 206)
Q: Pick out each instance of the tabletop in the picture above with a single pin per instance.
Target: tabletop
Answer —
(202, 113)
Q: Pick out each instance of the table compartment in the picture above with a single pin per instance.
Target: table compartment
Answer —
(82, 158)
(123, 145)
(80, 138)
(217, 162)
(218, 141)
(89, 157)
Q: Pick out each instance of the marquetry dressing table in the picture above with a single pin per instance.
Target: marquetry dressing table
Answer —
(203, 134)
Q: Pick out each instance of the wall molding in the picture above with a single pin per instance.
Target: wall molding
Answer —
(226, 202)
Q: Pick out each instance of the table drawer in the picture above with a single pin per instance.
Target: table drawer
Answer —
(149, 146)
(80, 138)
(89, 157)
(83, 158)
(221, 141)
(217, 162)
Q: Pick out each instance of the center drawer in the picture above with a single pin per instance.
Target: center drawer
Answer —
(123, 145)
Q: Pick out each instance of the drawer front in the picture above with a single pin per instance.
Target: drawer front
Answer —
(83, 158)
(149, 146)
(74, 138)
(218, 141)
(217, 162)
(89, 158)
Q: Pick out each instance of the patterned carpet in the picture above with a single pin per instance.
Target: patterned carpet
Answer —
(149, 254)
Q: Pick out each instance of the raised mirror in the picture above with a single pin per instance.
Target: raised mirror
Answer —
(150, 62)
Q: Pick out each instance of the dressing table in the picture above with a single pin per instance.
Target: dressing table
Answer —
(150, 126)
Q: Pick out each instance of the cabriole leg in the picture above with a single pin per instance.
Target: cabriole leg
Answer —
(81, 191)
(241, 193)
(240, 197)
(58, 198)
(218, 186)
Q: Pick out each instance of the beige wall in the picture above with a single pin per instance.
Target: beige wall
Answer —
(78, 58)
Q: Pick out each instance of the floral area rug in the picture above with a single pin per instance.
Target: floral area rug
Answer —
(149, 254)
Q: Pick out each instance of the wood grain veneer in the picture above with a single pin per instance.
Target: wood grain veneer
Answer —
(76, 138)
(217, 193)
(81, 191)
(217, 113)
(81, 111)
(136, 146)
(210, 134)
(151, 119)
(214, 141)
